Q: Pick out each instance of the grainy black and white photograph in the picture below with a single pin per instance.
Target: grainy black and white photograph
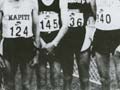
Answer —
(59, 44)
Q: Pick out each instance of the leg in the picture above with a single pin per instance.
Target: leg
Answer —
(67, 66)
(26, 73)
(55, 72)
(9, 75)
(103, 69)
(1, 76)
(116, 59)
(41, 73)
(83, 61)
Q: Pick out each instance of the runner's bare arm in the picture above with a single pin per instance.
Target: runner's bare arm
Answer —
(36, 23)
(93, 6)
(37, 35)
(2, 61)
(64, 20)
(1, 16)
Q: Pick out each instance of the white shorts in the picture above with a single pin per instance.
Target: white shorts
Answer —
(90, 30)
(117, 49)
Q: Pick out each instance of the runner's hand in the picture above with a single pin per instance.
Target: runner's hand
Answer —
(2, 63)
(34, 62)
(50, 47)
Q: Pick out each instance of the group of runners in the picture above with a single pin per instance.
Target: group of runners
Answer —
(37, 32)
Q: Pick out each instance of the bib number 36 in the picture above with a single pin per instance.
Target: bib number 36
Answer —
(76, 20)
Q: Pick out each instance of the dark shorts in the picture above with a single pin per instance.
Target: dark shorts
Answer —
(48, 37)
(18, 50)
(106, 42)
(72, 42)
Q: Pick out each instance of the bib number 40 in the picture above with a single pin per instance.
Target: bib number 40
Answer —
(104, 18)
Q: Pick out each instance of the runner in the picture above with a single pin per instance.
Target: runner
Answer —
(16, 18)
(72, 43)
(107, 35)
(52, 20)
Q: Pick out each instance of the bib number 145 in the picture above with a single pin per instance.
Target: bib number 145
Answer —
(49, 24)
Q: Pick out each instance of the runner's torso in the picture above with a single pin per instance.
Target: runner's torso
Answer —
(108, 15)
(49, 15)
(17, 19)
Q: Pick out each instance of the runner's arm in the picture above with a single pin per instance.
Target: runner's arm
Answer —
(64, 21)
(93, 6)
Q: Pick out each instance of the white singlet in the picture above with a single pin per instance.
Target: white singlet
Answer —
(17, 19)
(108, 14)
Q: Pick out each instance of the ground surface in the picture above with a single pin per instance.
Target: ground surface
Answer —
(75, 83)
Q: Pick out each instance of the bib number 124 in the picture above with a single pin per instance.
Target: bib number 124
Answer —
(17, 31)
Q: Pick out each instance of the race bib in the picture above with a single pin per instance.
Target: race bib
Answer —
(76, 19)
(108, 19)
(103, 17)
(18, 29)
(49, 21)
